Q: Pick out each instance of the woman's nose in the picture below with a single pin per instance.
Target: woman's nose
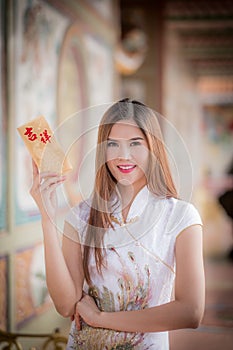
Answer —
(124, 152)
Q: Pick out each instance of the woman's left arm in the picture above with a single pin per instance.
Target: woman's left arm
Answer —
(185, 311)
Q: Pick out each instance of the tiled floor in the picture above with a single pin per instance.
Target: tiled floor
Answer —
(216, 330)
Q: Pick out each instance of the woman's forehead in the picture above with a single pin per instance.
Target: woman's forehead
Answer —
(125, 129)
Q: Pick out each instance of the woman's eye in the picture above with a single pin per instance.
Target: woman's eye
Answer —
(112, 144)
(135, 143)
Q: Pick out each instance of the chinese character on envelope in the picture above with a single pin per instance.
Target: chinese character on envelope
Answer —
(44, 149)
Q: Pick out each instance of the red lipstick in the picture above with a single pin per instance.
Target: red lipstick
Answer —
(126, 168)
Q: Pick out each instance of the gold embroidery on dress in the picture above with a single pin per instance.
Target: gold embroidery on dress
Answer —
(122, 223)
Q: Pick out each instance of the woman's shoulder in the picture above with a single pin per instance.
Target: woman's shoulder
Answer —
(173, 204)
(182, 214)
(180, 204)
(174, 214)
(79, 214)
(82, 207)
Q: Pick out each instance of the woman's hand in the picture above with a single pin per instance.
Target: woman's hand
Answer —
(76, 317)
(77, 320)
(87, 309)
(43, 191)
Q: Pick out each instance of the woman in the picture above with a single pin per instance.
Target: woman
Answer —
(127, 247)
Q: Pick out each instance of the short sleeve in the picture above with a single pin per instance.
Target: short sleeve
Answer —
(78, 217)
(183, 215)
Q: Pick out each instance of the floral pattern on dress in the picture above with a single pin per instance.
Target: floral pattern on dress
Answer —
(105, 339)
(133, 294)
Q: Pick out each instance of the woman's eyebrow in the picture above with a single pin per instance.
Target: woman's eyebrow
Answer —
(136, 138)
(131, 139)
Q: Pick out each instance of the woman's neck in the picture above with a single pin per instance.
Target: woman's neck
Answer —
(127, 195)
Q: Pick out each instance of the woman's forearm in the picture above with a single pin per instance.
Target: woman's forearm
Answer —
(64, 289)
(170, 316)
(61, 286)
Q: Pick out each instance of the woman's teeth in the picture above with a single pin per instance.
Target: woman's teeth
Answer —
(126, 167)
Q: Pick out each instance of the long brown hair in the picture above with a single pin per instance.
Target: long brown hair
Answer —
(159, 179)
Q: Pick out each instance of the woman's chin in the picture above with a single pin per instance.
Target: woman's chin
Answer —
(124, 182)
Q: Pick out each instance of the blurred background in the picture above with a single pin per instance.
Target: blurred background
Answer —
(59, 58)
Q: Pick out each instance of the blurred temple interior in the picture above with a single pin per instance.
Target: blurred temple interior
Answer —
(69, 60)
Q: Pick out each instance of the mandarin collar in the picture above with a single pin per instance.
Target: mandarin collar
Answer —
(136, 209)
